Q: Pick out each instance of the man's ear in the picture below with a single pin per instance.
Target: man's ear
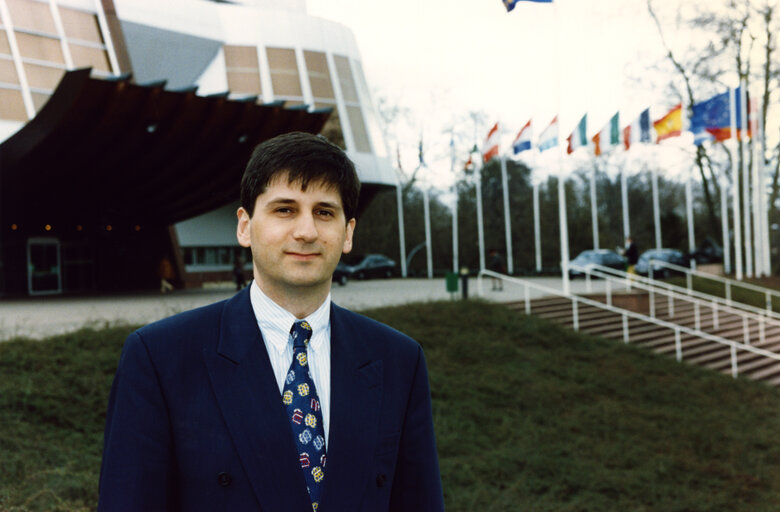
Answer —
(243, 228)
(348, 239)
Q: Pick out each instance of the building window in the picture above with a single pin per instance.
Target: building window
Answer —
(319, 76)
(42, 48)
(32, 15)
(285, 79)
(81, 26)
(8, 71)
(352, 104)
(214, 259)
(243, 70)
(12, 105)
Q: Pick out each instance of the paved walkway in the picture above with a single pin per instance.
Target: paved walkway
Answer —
(44, 316)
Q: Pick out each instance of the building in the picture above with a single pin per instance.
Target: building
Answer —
(125, 126)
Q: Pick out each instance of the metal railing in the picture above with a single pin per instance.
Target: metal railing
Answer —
(728, 283)
(635, 278)
(625, 315)
(699, 300)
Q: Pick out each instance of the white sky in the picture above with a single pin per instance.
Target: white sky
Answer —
(446, 58)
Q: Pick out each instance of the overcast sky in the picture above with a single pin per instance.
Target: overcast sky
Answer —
(445, 58)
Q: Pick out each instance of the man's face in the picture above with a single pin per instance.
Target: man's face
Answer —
(297, 237)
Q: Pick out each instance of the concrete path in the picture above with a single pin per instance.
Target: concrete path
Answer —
(45, 316)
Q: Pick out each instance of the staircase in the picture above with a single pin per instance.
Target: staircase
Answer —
(693, 349)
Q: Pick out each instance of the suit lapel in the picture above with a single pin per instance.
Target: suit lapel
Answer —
(248, 397)
(356, 392)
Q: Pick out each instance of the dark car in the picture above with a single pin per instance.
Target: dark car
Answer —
(708, 252)
(364, 267)
(341, 274)
(672, 256)
(604, 257)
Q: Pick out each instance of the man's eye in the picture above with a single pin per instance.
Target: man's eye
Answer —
(326, 213)
(283, 209)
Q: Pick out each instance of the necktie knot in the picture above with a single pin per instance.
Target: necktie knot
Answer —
(301, 334)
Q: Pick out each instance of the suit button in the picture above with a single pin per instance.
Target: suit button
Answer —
(224, 479)
(380, 480)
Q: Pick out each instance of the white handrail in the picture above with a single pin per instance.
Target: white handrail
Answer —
(639, 316)
(689, 292)
(768, 292)
(697, 303)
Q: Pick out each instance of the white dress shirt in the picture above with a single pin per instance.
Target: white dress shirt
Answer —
(275, 323)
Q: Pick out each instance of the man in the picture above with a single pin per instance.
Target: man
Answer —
(276, 399)
(631, 253)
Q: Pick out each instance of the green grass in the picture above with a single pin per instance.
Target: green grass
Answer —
(738, 294)
(528, 417)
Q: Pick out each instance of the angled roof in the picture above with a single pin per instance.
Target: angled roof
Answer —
(116, 152)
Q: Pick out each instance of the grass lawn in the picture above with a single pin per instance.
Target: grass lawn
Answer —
(528, 417)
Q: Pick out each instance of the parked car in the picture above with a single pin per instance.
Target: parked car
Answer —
(364, 267)
(604, 257)
(341, 274)
(709, 251)
(672, 256)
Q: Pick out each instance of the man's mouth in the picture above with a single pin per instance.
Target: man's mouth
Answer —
(303, 255)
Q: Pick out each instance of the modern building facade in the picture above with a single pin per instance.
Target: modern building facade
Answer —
(104, 173)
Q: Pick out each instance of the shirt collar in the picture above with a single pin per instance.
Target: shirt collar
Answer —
(277, 321)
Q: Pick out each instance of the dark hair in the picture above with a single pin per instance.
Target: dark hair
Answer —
(305, 158)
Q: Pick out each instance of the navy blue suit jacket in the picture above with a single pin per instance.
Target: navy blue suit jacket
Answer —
(196, 422)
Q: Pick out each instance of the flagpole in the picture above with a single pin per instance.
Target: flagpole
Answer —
(745, 182)
(537, 230)
(724, 225)
(594, 215)
(454, 208)
(763, 195)
(735, 184)
(562, 222)
(428, 248)
(656, 209)
(480, 227)
(689, 213)
(400, 205)
(624, 199)
(507, 222)
(688, 196)
(760, 271)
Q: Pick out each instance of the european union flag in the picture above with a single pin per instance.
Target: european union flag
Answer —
(713, 117)
(510, 4)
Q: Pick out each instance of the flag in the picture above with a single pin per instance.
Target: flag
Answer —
(669, 125)
(608, 136)
(638, 131)
(579, 137)
(711, 119)
(420, 152)
(468, 164)
(510, 4)
(523, 140)
(549, 137)
(490, 148)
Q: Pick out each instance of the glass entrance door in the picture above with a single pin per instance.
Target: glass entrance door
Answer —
(44, 275)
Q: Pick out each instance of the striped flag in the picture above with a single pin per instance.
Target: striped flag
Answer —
(608, 136)
(549, 137)
(579, 137)
(523, 140)
(669, 125)
(490, 148)
(638, 130)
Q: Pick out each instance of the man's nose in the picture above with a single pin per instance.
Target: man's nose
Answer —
(305, 228)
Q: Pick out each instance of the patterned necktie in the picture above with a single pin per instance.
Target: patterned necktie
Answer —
(303, 411)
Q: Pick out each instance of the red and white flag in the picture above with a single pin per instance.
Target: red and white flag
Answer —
(490, 148)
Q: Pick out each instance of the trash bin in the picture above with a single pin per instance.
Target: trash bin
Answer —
(451, 279)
